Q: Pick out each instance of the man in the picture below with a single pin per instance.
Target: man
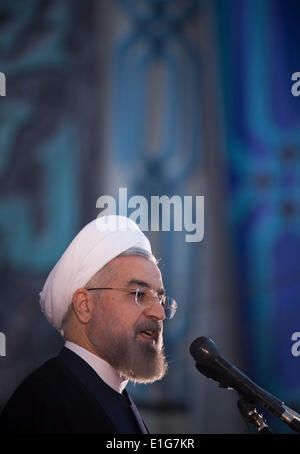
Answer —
(106, 297)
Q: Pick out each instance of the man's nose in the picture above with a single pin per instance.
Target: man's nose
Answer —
(155, 310)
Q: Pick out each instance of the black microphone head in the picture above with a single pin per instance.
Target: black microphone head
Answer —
(204, 351)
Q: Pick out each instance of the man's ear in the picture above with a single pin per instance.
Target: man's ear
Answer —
(82, 304)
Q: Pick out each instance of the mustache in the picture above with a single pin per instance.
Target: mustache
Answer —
(150, 325)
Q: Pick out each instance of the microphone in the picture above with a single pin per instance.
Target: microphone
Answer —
(213, 365)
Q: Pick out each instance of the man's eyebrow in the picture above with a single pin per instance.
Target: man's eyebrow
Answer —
(160, 291)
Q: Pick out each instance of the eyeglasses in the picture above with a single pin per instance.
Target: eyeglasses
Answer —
(146, 297)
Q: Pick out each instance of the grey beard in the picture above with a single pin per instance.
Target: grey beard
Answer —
(138, 361)
(133, 359)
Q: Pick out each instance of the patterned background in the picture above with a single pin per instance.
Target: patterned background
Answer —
(259, 55)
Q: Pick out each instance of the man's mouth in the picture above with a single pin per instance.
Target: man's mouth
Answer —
(150, 336)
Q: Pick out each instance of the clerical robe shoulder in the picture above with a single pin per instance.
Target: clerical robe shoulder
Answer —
(53, 400)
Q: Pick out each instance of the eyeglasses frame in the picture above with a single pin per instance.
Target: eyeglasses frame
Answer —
(137, 290)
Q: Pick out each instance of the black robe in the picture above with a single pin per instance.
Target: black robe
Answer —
(66, 395)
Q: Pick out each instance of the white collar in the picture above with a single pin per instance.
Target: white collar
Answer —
(105, 371)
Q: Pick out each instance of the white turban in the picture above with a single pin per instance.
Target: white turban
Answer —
(95, 245)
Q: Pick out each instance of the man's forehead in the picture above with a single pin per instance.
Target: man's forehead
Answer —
(133, 267)
(144, 284)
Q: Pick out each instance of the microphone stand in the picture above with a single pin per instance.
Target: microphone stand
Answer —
(252, 416)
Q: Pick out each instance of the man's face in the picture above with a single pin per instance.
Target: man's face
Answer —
(117, 326)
